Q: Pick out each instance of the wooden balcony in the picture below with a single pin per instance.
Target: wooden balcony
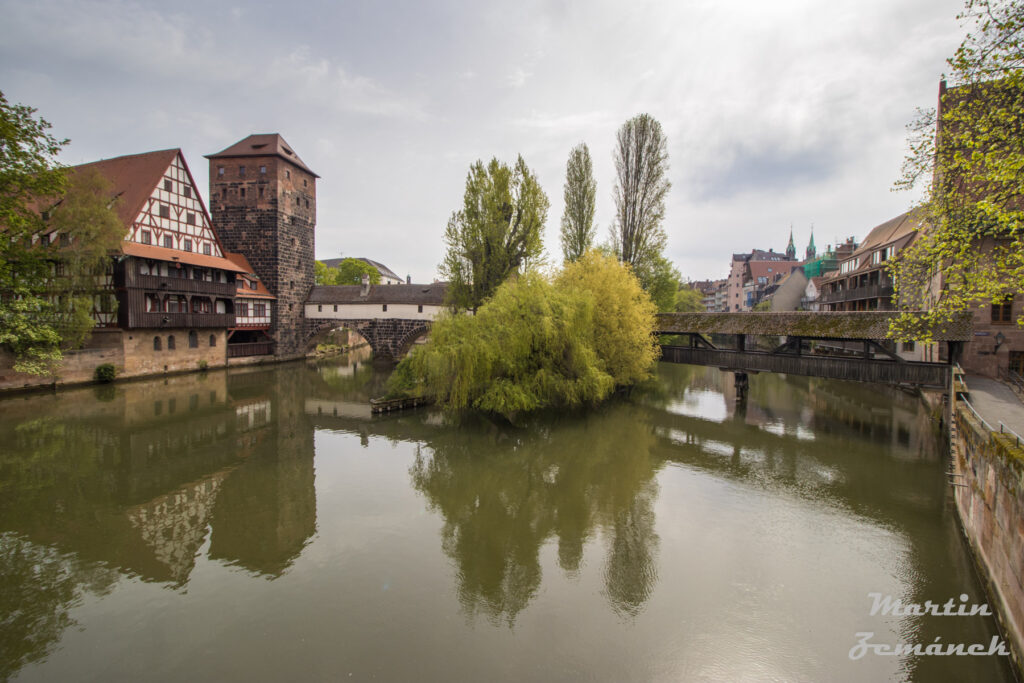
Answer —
(171, 320)
(878, 291)
(161, 284)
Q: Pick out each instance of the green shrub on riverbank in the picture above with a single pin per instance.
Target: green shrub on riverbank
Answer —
(539, 343)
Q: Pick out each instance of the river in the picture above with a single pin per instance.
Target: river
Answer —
(258, 524)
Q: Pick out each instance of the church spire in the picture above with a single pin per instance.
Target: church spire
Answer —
(791, 248)
(811, 250)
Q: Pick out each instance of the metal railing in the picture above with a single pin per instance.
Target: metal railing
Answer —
(1003, 429)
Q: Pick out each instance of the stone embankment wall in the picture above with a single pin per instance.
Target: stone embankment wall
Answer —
(134, 353)
(989, 489)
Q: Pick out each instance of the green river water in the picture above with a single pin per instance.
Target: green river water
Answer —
(260, 525)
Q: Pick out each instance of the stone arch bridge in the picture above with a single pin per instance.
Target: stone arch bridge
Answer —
(390, 317)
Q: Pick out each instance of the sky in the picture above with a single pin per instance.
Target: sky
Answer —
(778, 114)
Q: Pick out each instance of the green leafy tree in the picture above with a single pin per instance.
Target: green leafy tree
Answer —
(689, 300)
(48, 288)
(496, 233)
(538, 344)
(763, 306)
(349, 272)
(661, 281)
(641, 169)
(580, 194)
(969, 155)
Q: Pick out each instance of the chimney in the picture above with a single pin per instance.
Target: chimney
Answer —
(366, 285)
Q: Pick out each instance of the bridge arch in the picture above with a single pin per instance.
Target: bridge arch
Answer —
(389, 338)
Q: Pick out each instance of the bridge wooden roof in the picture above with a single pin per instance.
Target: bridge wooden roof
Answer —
(813, 324)
(431, 295)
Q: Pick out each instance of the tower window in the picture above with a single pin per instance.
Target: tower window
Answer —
(241, 171)
(241, 193)
(287, 174)
(261, 192)
(263, 170)
(307, 203)
(220, 170)
(224, 193)
(168, 185)
(305, 183)
(156, 343)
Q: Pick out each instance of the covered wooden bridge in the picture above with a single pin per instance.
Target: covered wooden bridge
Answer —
(835, 345)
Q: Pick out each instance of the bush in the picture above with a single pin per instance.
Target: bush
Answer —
(105, 372)
(203, 365)
(538, 343)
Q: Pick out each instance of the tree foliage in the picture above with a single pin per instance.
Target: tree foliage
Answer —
(970, 156)
(496, 233)
(660, 279)
(580, 195)
(641, 169)
(539, 343)
(689, 300)
(349, 272)
(48, 289)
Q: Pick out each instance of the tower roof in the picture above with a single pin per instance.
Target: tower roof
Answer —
(263, 145)
(811, 244)
(790, 245)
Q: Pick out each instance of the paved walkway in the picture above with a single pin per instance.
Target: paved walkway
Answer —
(996, 402)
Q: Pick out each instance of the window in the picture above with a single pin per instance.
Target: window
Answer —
(319, 309)
(305, 183)
(1002, 314)
(224, 193)
(193, 340)
(242, 309)
(259, 310)
(147, 237)
(201, 305)
(190, 218)
(297, 200)
(307, 203)
(263, 170)
(419, 309)
(220, 170)
(384, 307)
(241, 193)
(261, 193)
(153, 304)
(187, 245)
(188, 191)
(241, 171)
(168, 242)
(335, 308)
(206, 248)
(165, 211)
(170, 342)
(252, 284)
(156, 343)
(168, 184)
(65, 239)
(287, 174)
(213, 342)
(908, 346)
(197, 274)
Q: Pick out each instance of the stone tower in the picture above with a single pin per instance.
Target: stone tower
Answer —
(263, 204)
(791, 248)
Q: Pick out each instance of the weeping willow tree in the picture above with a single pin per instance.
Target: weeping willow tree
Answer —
(539, 343)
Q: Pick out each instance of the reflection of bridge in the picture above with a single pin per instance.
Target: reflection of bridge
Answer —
(390, 317)
(873, 362)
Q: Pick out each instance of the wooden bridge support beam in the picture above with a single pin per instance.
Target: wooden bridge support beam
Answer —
(742, 384)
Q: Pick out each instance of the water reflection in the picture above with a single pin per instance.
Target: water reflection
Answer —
(504, 493)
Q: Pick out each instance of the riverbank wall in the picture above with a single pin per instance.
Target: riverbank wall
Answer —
(988, 485)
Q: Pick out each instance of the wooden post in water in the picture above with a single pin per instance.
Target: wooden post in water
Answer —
(742, 385)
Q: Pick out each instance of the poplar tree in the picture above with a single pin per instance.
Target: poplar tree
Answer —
(641, 169)
(496, 233)
(580, 193)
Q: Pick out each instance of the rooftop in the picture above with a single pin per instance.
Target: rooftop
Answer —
(263, 145)
(431, 295)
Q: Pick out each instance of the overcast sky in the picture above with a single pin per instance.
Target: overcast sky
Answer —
(777, 112)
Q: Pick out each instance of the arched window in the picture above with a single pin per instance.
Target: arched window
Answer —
(213, 340)
(170, 342)
(193, 340)
(156, 343)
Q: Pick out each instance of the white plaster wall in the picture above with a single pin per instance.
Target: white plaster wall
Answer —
(364, 311)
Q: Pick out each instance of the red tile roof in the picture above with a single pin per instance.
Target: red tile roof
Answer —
(133, 178)
(152, 251)
(261, 292)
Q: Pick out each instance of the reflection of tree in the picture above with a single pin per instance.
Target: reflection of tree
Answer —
(504, 494)
(38, 586)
